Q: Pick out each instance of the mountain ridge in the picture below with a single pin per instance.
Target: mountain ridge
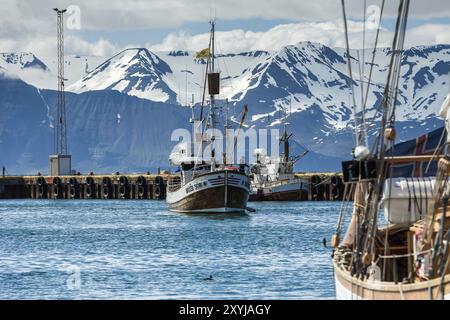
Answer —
(303, 85)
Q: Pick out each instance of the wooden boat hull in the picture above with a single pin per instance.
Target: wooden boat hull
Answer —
(350, 288)
(216, 192)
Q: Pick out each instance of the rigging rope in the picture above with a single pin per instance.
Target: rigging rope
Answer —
(365, 236)
(389, 109)
(363, 107)
(371, 68)
(350, 81)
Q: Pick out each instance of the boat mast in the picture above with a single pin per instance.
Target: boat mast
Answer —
(285, 137)
(365, 250)
(226, 135)
(213, 88)
(286, 145)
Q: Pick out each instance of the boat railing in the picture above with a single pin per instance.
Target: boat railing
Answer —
(395, 257)
(174, 184)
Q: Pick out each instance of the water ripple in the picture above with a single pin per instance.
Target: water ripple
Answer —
(139, 250)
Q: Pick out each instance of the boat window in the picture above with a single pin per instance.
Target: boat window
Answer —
(187, 166)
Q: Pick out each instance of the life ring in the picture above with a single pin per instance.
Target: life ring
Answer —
(56, 188)
(90, 191)
(317, 191)
(158, 191)
(107, 194)
(73, 182)
(73, 188)
(141, 186)
(41, 181)
(159, 180)
(123, 187)
(42, 188)
(123, 180)
(90, 188)
(316, 188)
(90, 180)
(42, 191)
(141, 181)
(315, 180)
(336, 187)
(159, 188)
(336, 181)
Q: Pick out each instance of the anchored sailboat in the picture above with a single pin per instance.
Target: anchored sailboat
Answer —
(408, 256)
(204, 185)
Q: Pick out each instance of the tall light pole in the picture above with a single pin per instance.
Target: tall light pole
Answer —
(60, 162)
(61, 136)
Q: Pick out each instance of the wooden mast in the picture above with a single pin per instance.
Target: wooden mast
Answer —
(213, 89)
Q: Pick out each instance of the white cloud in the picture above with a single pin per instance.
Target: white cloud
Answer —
(30, 25)
(429, 34)
(100, 47)
(328, 33)
(45, 46)
(29, 15)
(240, 40)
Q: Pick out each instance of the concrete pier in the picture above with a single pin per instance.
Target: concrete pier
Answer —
(150, 187)
(321, 187)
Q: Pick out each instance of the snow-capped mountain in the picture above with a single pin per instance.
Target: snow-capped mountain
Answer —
(108, 131)
(21, 60)
(297, 77)
(174, 76)
(137, 72)
(42, 72)
(24, 65)
(305, 85)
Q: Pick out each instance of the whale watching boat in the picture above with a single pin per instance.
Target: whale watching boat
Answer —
(406, 255)
(273, 178)
(204, 185)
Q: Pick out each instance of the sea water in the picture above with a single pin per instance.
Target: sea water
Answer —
(106, 249)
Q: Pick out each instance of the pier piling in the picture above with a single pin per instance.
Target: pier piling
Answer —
(321, 187)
